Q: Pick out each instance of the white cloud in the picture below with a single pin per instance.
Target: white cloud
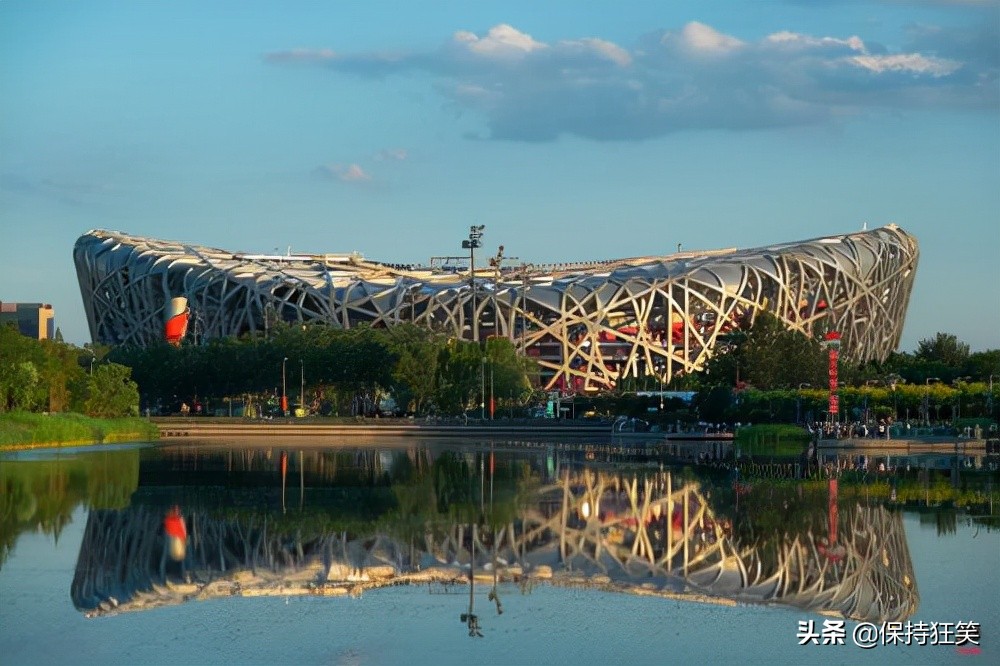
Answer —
(600, 47)
(906, 62)
(347, 173)
(799, 41)
(696, 78)
(700, 38)
(353, 173)
(502, 41)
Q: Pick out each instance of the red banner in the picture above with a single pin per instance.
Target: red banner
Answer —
(833, 341)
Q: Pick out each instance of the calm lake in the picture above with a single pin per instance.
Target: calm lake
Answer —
(422, 551)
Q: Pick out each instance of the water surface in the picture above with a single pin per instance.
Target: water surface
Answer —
(87, 576)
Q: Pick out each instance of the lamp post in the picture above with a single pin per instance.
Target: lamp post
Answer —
(798, 400)
(895, 407)
(660, 371)
(927, 399)
(524, 305)
(475, 240)
(284, 392)
(93, 357)
(482, 389)
(302, 392)
(989, 399)
(496, 261)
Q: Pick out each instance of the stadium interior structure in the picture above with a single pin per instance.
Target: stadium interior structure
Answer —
(586, 324)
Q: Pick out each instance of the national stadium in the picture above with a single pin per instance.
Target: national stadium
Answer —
(587, 324)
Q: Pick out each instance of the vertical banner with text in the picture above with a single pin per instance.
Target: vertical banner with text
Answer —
(833, 344)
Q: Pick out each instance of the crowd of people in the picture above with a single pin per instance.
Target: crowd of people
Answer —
(886, 429)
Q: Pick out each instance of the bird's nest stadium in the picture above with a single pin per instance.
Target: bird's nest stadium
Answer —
(586, 324)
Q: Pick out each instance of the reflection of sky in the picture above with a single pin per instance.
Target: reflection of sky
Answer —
(66, 452)
(956, 576)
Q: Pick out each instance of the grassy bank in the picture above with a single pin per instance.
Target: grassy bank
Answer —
(25, 429)
(773, 439)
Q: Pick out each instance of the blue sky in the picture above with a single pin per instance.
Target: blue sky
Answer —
(572, 131)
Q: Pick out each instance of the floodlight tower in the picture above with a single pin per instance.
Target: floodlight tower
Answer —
(475, 240)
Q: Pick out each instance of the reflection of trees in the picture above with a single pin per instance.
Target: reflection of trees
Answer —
(945, 521)
(770, 512)
(42, 495)
(378, 510)
(350, 467)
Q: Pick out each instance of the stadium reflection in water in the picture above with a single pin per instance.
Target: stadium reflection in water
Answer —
(325, 522)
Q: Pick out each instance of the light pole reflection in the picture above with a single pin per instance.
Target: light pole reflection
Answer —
(470, 619)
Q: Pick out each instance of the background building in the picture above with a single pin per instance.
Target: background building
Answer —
(586, 324)
(35, 320)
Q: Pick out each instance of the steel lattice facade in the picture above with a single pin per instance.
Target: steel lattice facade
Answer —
(586, 324)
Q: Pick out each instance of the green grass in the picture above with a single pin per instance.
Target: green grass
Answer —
(24, 429)
(772, 439)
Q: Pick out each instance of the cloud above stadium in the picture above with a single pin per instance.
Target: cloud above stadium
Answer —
(694, 77)
(346, 173)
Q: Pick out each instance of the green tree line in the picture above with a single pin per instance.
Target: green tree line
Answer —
(766, 373)
(339, 371)
(771, 374)
(53, 376)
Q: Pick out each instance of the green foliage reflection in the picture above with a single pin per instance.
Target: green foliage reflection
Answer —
(42, 495)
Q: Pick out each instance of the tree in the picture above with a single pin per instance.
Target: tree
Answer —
(60, 368)
(18, 384)
(769, 356)
(981, 365)
(508, 371)
(459, 376)
(416, 373)
(111, 392)
(15, 350)
(943, 348)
